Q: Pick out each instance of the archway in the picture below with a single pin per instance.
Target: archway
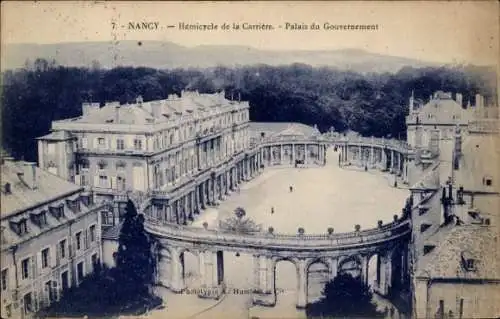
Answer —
(351, 265)
(238, 270)
(374, 271)
(285, 283)
(318, 275)
(190, 269)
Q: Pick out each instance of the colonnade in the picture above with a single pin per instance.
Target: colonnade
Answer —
(291, 153)
(181, 205)
(374, 157)
(170, 271)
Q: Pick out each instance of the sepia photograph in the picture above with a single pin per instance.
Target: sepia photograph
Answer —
(250, 159)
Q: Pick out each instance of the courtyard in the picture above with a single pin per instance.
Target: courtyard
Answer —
(322, 197)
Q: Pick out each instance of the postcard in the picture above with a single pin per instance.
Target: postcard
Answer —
(302, 159)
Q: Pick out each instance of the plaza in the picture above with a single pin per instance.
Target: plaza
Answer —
(322, 197)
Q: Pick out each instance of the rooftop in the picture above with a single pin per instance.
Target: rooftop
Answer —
(29, 186)
(143, 113)
(459, 243)
(281, 129)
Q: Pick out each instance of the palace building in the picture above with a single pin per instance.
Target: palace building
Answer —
(173, 146)
(185, 152)
(50, 237)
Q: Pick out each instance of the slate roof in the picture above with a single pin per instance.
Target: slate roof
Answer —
(56, 136)
(22, 196)
(281, 128)
(442, 109)
(467, 241)
(142, 113)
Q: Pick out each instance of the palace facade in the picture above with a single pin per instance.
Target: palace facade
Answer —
(184, 152)
(50, 237)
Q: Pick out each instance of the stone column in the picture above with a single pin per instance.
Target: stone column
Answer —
(383, 159)
(360, 153)
(305, 154)
(372, 155)
(392, 161)
(364, 269)
(334, 268)
(164, 264)
(293, 154)
(302, 284)
(177, 284)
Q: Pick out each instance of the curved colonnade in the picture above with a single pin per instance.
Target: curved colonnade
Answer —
(337, 252)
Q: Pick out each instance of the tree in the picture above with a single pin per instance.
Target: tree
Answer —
(344, 296)
(134, 261)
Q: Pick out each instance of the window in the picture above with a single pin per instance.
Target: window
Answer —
(137, 144)
(79, 271)
(84, 180)
(107, 218)
(103, 180)
(94, 260)
(22, 227)
(84, 164)
(41, 219)
(78, 238)
(28, 302)
(25, 268)
(45, 258)
(92, 233)
(64, 280)
(469, 264)
(62, 248)
(120, 144)
(487, 181)
(100, 141)
(4, 279)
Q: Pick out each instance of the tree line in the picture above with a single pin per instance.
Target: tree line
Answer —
(372, 104)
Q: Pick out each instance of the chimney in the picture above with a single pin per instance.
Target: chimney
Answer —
(86, 109)
(412, 102)
(459, 99)
(458, 148)
(139, 101)
(29, 175)
(89, 108)
(156, 109)
(117, 114)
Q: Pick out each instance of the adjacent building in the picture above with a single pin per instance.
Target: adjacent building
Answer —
(50, 237)
(455, 256)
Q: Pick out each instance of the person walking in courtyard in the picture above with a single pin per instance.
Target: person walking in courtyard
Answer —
(272, 210)
(291, 188)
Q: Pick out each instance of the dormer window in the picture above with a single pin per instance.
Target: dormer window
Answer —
(74, 205)
(468, 261)
(6, 189)
(20, 227)
(487, 181)
(40, 219)
(57, 211)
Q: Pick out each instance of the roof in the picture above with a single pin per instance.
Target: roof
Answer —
(57, 136)
(442, 109)
(459, 243)
(142, 113)
(281, 129)
(23, 196)
(113, 232)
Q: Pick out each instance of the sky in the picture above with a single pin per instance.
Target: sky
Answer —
(449, 32)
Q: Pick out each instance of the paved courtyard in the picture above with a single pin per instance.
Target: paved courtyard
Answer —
(322, 197)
